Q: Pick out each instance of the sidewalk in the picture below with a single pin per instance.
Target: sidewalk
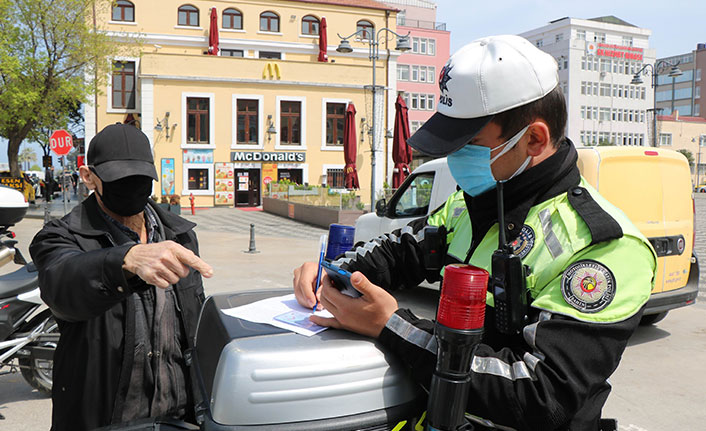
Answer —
(56, 207)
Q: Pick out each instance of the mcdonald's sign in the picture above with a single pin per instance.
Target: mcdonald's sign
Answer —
(271, 71)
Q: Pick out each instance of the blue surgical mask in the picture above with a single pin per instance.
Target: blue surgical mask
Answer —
(470, 166)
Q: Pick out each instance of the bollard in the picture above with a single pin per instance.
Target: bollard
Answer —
(191, 199)
(251, 249)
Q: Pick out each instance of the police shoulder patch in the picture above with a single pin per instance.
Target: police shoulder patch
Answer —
(524, 242)
(588, 286)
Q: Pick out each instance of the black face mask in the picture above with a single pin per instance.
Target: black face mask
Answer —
(127, 196)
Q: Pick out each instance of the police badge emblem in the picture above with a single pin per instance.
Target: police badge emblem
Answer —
(524, 242)
(588, 286)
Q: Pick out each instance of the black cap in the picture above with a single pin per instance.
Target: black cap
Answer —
(119, 151)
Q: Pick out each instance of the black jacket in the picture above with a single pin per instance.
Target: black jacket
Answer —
(552, 376)
(82, 281)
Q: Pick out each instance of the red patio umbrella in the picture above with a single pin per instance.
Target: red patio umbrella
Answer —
(401, 152)
(349, 149)
(213, 33)
(323, 42)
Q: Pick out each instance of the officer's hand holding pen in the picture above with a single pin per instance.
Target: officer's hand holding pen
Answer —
(304, 284)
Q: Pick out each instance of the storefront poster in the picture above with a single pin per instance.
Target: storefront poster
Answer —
(225, 184)
(167, 177)
(198, 156)
(269, 174)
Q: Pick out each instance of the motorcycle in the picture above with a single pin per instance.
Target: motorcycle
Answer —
(28, 331)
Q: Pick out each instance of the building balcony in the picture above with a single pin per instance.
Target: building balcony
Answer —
(415, 23)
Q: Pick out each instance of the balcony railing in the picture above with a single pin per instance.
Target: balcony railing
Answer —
(429, 25)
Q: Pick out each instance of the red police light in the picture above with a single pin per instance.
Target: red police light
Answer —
(462, 303)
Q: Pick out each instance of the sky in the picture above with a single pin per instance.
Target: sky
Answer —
(676, 25)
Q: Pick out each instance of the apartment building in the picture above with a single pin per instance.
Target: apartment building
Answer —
(682, 93)
(597, 60)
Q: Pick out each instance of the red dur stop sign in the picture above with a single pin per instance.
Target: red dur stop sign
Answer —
(60, 142)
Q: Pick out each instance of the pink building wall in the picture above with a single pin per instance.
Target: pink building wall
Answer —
(442, 41)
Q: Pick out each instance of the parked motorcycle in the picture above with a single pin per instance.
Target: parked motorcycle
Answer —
(28, 331)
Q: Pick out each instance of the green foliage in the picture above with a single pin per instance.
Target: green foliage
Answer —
(360, 205)
(603, 142)
(688, 155)
(51, 59)
(35, 167)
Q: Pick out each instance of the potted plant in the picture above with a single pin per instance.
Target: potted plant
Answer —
(175, 204)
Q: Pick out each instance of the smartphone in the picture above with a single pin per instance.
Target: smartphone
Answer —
(341, 279)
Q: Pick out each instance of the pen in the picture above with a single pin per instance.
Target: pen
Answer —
(322, 249)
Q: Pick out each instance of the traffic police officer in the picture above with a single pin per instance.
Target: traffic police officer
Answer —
(501, 116)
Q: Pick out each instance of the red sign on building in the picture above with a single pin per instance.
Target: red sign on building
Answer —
(617, 51)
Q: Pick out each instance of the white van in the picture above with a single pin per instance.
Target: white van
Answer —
(651, 185)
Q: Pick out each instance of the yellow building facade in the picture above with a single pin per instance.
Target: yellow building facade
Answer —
(678, 132)
(263, 109)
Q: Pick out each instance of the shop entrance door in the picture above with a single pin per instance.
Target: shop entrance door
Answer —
(293, 175)
(247, 187)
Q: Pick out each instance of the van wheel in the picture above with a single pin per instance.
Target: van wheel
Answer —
(651, 319)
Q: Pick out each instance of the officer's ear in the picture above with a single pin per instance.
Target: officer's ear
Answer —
(540, 140)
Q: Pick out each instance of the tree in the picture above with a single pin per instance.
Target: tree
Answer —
(27, 156)
(603, 142)
(688, 155)
(51, 58)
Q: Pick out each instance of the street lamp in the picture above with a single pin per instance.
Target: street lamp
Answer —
(637, 79)
(373, 40)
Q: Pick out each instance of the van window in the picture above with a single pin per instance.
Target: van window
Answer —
(415, 199)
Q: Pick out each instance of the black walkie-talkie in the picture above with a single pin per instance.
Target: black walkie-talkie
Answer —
(507, 281)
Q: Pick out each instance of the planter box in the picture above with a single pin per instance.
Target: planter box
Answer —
(318, 216)
(176, 209)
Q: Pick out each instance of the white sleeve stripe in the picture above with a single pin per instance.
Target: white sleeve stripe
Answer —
(377, 242)
(496, 367)
(411, 333)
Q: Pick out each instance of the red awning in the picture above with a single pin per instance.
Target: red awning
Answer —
(323, 41)
(349, 149)
(213, 33)
(401, 152)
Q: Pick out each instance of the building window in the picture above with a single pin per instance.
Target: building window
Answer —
(123, 83)
(581, 34)
(290, 123)
(366, 29)
(248, 120)
(539, 43)
(310, 25)
(627, 40)
(335, 178)
(423, 46)
(665, 139)
(599, 37)
(698, 74)
(415, 73)
(431, 74)
(232, 19)
(269, 21)
(605, 90)
(415, 101)
(432, 47)
(123, 10)
(422, 74)
(335, 119)
(270, 54)
(198, 178)
(197, 117)
(402, 72)
(232, 53)
(559, 37)
(430, 102)
(188, 16)
(415, 45)
(697, 110)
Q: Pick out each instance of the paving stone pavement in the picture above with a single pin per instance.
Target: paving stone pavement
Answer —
(222, 219)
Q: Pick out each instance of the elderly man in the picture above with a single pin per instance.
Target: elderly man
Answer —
(123, 279)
